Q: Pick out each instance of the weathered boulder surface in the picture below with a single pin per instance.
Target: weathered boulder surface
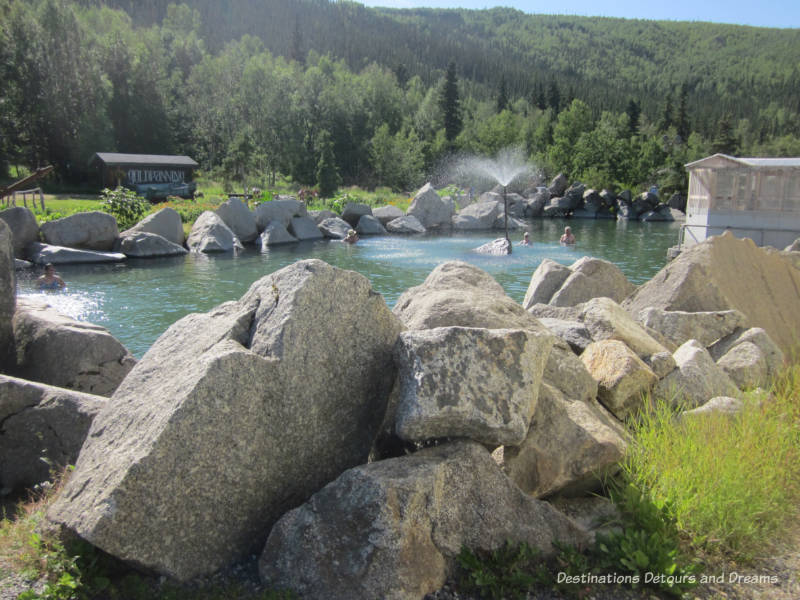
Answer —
(558, 185)
(725, 273)
(387, 213)
(239, 218)
(430, 209)
(572, 332)
(166, 223)
(623, 378)
(481, 384)
(55, 349)
(393, 528)
(499, 247)
(281, 210)
(24, 228)
(94, 230)
(305, 228)
(210, 234)
(320, 215)
(756, 335)
(369, 225)
(407, 224)
(679, 326)
(481, 215)
(749, 356)
(696, 380)
(592, 278)
(546, 280)
(144, 245)
(41, 254)
(571, 445)
(274, 234)
(232, 418)
(8, 298)
(334, 228)
(566, 374)
(353, 211)
(719, 405)
(607, 320)
(42, 429)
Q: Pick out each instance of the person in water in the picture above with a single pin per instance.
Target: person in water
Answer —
(351, 237)
(526, 240)
(567, 238)
(50, 280)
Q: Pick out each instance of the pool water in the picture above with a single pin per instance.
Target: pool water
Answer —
(138, 299)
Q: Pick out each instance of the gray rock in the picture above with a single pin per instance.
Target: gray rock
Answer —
(145, 245)
(334, 228)
(570, 448)
(592, 202)
(407, 224)
(516, 205)
(387, 213)
(643, 203)
(478, 216)
(353, 211)
(573, 333)
(559, 185)
(232, 418)
(574, 195)
(607, 320)
(274, 234)
(41, 254)
(320, 215)
(624, 208)
(42, 429)
(557, 206)
(661, 363)
(512, 222)
(305, 228)
(756, 335)
(546, 280)
(564, 313)
(746, 365)
(623, 378)
(166, 223)
(430, 209)
(696, 380)
(92, 230)
(677, 201)
(239, 218)
(281, 210)
(55, 349)
(679, 326)
(498, 247)
(537, 202)
(481, 384)
(393, 528)
(19, 265)
(8, 298)
(566, 374)
(369, 225)
(720, 405)
(24, 228)
(592, 278)
(210, 234)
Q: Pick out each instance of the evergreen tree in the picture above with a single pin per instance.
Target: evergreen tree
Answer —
(666, 116)
(634, 113)
(402, 76)
(328, 179)
(554, 96)
(682, 118)
(725, 142)
(502, 96)
(539, 98)
(450, 104)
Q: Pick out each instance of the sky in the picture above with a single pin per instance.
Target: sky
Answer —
(760, 13)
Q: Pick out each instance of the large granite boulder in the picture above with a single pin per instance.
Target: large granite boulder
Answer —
(369, 225)
(281, 210)
(334, 228)
(239, 218)
(146, 245)
(320, 215)
(679, 326)
(166, 223)
(498, 247)
(8, 298)
(210, 234)
(232, 418)
(546, 280)
(55, 349)
(623, 378)
(274, 234)
(42, 429)
(407, 224)
(573, 333)
(536, 203)
(41, 254)
(592, 278)
(478, 216)
(570, 447)
(696, 380)
(607, 320)
(24, 228)
(725, 273)
(305, 228)
(481, 384)
(755, 364)
(353, 211)
(430, 209)
(558, 185)
(94, 230)
(387, 213)
(393, 528)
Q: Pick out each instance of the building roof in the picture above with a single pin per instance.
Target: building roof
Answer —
(723, 160)
(143, 160)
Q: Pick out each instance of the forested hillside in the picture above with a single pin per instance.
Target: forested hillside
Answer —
(254, 86)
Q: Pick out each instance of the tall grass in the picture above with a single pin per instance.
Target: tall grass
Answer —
(733, 483)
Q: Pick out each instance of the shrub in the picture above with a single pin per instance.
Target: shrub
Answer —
(125, 205)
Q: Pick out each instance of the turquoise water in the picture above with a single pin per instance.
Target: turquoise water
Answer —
(137, 300)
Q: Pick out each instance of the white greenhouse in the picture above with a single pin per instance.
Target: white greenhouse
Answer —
(758, 198)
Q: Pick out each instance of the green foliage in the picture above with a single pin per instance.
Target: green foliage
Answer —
(126, 206)
(507, 572)
(450, 103)
(328, 178)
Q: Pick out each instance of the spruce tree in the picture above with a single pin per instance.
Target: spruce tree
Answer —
(328, 179)
(450, 104)
(682, 118)
(502, 96)
(634, 112)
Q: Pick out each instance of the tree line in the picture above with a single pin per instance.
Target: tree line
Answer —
(250, 87)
